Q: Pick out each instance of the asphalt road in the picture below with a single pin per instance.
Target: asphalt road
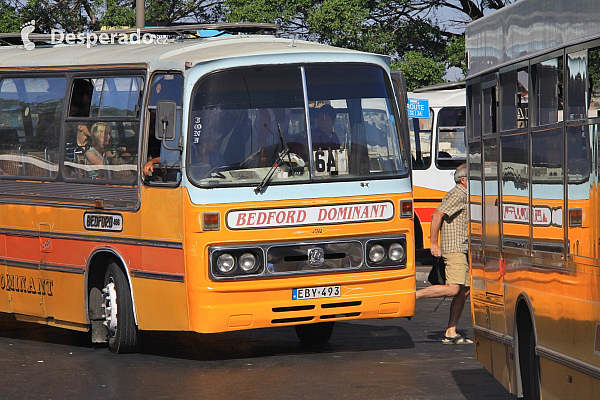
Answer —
(372, 359)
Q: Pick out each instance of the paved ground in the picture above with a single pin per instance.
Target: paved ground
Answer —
(373, 359)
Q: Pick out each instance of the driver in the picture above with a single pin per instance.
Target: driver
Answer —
(207, 152)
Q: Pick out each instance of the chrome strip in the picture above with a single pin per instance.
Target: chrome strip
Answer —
(21, 264)
(308, 129)
(62, 268)
(93, 238)
(155, 275)
(568, 362)
(492, 335)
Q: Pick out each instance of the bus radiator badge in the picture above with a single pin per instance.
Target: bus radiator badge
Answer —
(316, 257)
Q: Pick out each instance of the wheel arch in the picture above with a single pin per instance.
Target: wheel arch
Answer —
(524, 322)
(94, 275)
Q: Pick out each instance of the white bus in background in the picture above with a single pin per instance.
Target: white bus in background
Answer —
(437, 147)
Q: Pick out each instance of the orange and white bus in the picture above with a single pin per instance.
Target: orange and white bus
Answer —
(253, 214)
(437, 145)
(533, 100)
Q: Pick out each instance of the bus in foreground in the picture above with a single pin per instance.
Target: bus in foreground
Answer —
(179, 183)
(533, 100)
(437, 145)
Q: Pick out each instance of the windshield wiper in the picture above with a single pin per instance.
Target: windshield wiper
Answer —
(285, 151)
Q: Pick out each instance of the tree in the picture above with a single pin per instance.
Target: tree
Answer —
(420, 70)
(81, 15)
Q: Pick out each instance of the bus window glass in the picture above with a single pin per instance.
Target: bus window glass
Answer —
(451, 148)
(515, 191)
(523, 98)
(103, 129)
(475, 193)
(474, 103)
(420, 140)
(241, 120)
(368, 145)
(594, 82)
(30, 118)
(547, 191)
(491, 209)
(580, 140)
(489, 110)
(548, 89)
(508, 106)
(167, 87)
(576, 85)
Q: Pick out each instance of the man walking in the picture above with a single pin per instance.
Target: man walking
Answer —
(451, 218)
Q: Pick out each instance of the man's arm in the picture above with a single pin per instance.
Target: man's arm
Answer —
(436, 224)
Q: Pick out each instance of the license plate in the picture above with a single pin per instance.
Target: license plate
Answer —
(316, 292)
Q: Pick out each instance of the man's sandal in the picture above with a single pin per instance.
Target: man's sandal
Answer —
(458, 339)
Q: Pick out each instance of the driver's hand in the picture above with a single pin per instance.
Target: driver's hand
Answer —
(148, 168)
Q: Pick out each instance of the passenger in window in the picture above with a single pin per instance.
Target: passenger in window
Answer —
(95, 155)
(323, 136)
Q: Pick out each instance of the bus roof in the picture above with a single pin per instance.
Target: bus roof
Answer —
(527, 28)
(173, 55)
(441, 98)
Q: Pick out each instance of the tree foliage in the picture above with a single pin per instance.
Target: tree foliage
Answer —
(399, 28)
(420, 70)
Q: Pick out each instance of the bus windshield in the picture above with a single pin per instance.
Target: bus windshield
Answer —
(247, 123)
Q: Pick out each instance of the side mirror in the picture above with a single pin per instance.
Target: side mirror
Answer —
(166, 117)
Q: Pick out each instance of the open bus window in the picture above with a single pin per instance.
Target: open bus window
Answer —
(30, 118)
(102, 129)
(451, 146)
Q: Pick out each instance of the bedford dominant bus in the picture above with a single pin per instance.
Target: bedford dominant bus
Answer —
(437, 146)
(533, 99)
(196, 184)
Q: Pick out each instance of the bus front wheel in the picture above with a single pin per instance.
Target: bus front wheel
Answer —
(318, 333)
(118, 311)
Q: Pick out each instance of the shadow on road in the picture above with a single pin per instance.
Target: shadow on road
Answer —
(347, 337)
(469, 381)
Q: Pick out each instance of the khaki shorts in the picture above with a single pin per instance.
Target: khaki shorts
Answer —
(457, 268)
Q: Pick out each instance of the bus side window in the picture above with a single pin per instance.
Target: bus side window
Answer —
(164, 159)
(30, 121)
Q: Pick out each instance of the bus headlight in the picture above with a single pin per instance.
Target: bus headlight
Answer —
(225, 263)
(247, 262)
(396, 252)
(376, 253)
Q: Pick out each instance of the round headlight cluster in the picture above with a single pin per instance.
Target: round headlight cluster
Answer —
(386, 253)
(236, 263)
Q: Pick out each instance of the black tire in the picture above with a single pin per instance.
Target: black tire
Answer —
(122, 334)
(312, 334)
(530, 368)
